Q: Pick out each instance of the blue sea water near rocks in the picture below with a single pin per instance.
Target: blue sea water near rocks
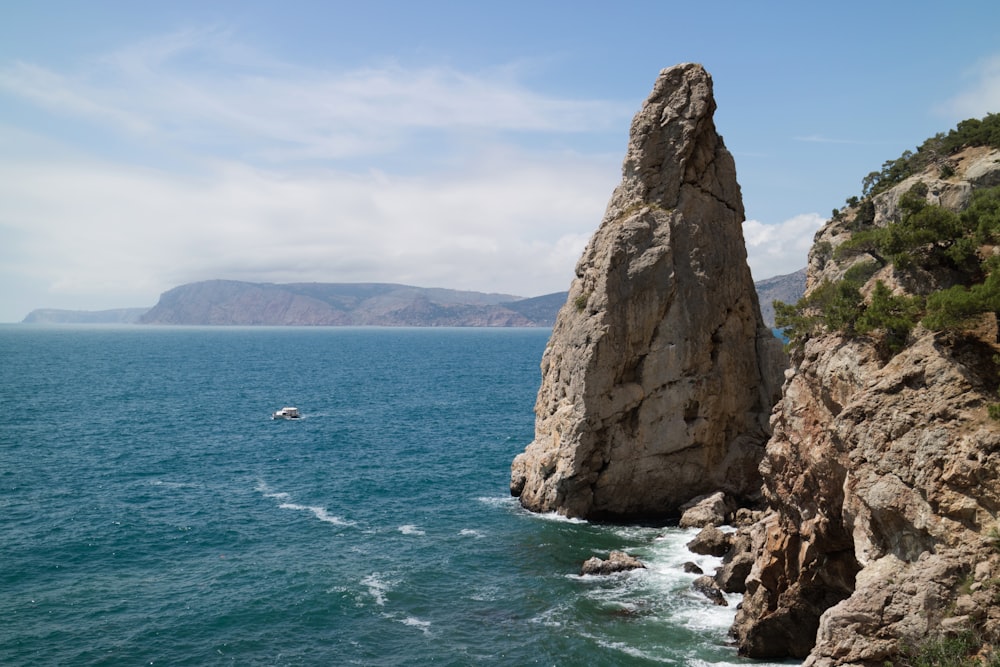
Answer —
(153, 513)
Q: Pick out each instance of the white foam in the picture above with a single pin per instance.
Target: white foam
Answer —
(555, 516)
(627, 650)
(267, 492)
(410, 529)
(174, 485)
(378, 585)
(319, 512)
(471, 532)
(549, 617)
(499, 501)
(415, 622)
(488, 593)
(662, 588)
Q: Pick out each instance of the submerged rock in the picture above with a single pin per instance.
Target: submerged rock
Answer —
(660, 373)
(706, 586)
(692, 568)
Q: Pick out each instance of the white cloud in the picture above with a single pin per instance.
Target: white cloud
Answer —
(982, 97)
(235, 168)
(777, 249)
(97, 228)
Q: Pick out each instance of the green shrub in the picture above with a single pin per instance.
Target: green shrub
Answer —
(953, 308)
(970, 132)
(823, 251)
(944, 651)
(895, 316)
(926, 236)
(982, 217)
(793, 321)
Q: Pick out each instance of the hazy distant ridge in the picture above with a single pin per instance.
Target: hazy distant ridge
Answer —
(788, 288)
(112, 316)
(230, 302)
(226, 302)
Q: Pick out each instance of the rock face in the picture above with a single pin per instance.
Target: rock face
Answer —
(884, 479)
(660, 374)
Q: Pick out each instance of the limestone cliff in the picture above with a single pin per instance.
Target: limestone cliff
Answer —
(883, 471)
(660, 374)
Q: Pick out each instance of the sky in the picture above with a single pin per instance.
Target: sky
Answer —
(467, 145)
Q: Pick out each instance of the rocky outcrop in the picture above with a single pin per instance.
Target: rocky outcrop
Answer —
(710, 541)
(883, 475)
(659, 375)
(617, 561)
(709, 510)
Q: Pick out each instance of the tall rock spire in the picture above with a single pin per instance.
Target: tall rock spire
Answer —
(660, 375)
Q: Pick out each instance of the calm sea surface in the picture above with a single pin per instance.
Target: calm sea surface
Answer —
(151, 512)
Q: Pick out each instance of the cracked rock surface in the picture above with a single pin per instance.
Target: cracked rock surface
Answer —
(660, 375)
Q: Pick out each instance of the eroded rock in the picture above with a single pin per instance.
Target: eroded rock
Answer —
(707, 510)
(710, 541)
(883, 474)
(660, 374)
(706, 586)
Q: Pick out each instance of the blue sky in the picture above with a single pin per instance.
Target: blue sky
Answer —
(443, 144)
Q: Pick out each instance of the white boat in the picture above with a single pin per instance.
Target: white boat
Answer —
(286, 413)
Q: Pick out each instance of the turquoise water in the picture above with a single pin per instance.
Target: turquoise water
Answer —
(152, 513)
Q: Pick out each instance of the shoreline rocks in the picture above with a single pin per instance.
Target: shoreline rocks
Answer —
(617, 561)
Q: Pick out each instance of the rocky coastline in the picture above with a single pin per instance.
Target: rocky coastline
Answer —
(862, 476)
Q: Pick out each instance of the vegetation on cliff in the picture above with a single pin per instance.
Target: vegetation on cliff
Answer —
(923, 239)
(927, 237)
(883, 461)
(936, 151)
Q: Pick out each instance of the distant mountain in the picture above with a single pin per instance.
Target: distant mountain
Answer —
(227, 302)
(788, 288)
(113, 316)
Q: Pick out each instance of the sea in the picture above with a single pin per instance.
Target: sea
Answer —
(152, 512)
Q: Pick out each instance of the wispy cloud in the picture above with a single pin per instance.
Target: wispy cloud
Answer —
(983, 94)
(820, 139)
(205, 90)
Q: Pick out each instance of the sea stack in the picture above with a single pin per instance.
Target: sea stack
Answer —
(660, 375)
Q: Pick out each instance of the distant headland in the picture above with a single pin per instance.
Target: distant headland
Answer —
(237, 303)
